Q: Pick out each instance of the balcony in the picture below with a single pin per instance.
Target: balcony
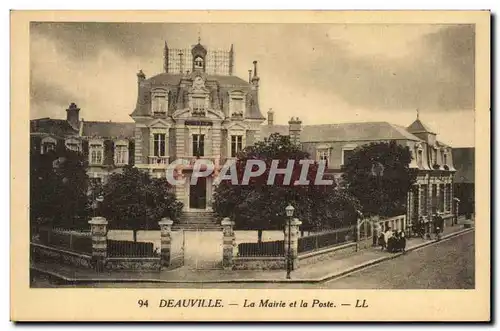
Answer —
(158, 161)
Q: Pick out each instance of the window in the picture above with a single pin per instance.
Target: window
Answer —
(96, 153)
(447, 202)
(73, 145)
(423, 199)
(198, 145)
(198, 63)
(445, 158)
(159, 103)
(121, 154)
(419, 157)
(434, 156)
(236, 145)
(159, 144)
(323, 155)
(237, 106)
(48, 146)
(346, 154)
(198, 105)
(434, 201)
(441, 197)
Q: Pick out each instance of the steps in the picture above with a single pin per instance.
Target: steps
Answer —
(197, 221)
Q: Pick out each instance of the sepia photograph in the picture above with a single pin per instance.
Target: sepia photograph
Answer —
(275, 156)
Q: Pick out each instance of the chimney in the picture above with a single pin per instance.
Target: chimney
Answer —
(294, 129)
(250, 76)
(270, 117)
(73, 116)
(255, 78)
(140, 77)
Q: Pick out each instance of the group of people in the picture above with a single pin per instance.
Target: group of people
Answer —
(392, 241)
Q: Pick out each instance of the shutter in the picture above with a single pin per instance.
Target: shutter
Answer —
(108, 152)
(85, 150)
(131, 153)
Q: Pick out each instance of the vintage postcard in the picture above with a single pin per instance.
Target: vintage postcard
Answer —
(250, 166)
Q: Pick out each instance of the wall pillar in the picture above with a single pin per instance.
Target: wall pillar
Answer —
(166, 240)
(419, 199)
(228, 243)
(294, 241)
(98, 230)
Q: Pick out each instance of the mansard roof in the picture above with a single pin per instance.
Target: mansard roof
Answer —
(267, 130)
(225, 83)
(367, 131)
(108, 129)
(56, 127)
(419, 127)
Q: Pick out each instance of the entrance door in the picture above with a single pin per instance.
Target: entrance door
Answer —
(198, 194)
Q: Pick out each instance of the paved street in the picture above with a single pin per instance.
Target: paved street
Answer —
(449, 264)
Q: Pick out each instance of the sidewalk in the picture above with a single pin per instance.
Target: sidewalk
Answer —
(321, 271)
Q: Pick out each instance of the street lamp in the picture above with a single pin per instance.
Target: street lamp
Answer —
(98, 200)
(289, 213)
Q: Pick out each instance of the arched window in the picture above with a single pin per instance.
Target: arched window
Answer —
(198, 62)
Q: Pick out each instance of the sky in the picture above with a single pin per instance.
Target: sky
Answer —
(321, 73)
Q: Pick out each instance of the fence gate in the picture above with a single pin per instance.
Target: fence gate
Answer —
(203, 249)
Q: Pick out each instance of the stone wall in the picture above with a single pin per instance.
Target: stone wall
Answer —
(42, 253)
(133, 264)
(259, 263)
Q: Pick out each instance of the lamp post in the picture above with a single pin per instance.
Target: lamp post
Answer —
(98, 200)
(289, 213)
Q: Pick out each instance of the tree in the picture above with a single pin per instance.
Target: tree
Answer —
(379, 175)
(261, 206)
(58, 188)
(133, 200)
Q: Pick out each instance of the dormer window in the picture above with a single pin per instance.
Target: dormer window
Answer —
(323, 155)
(96, 152)
(73, 145)
(121, 152)
(159, 102)
(419, 157)
(199, 105)
(198, 63)
(237, 103)
(347, 152)
(48, 145)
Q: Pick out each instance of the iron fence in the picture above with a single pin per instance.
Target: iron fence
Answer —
(269, 248)
(80, 242)
(326, 239)
(122, 248)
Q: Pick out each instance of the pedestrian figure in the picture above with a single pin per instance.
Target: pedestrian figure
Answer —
(388, 237)
(381, 241)
(402, 240)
